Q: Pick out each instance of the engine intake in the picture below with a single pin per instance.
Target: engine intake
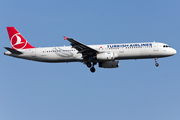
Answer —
(109, 64)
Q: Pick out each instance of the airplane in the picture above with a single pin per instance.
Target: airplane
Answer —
(106, 55)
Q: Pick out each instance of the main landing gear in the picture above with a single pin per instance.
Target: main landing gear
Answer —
(157, 64)
(91, 66)
(92, 69)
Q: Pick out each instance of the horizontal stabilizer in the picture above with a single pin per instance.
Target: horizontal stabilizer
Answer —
(13, 51)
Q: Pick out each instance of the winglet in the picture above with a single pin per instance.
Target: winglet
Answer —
(65, 38)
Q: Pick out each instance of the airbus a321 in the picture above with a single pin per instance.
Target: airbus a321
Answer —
(106, 55)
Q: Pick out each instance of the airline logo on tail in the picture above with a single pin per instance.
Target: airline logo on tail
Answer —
(17, 40)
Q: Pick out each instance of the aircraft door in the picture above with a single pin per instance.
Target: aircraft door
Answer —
(121, 50)
(155, 46)
(33, 53)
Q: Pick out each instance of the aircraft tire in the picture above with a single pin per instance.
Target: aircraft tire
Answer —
(88, 64)
(157, 64)
(92, 69)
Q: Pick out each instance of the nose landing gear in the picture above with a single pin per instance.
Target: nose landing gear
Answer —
(157, 64)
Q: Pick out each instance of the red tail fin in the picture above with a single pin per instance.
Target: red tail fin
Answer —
(17, 40)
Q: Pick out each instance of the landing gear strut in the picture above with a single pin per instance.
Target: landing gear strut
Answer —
(156, 62)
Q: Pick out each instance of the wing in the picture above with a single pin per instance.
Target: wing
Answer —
(81, 48)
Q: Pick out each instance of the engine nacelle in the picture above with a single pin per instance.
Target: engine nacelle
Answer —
(105, 56)
(109, 64)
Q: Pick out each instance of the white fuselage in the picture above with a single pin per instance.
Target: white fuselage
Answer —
(120, 51)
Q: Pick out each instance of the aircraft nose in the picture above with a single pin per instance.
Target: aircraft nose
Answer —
(173, 51)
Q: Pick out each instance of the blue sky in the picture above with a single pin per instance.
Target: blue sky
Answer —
(69, 91)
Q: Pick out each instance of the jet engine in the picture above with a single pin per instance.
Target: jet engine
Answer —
(109, 64)
(105, 56)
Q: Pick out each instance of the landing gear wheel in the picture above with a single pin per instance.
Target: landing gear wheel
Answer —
(92, 69)
(88, 64)
(157, 64)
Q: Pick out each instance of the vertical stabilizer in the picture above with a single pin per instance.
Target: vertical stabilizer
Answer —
(17, 40)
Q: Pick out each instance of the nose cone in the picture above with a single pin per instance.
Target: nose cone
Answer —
(173, 51)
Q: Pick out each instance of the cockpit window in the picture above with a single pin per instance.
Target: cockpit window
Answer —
(165, 46)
